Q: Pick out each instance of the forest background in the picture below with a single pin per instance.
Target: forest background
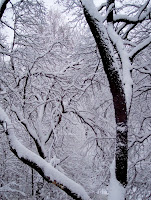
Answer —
(58, 114)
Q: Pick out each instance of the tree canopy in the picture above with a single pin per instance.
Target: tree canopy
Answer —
(75, 100)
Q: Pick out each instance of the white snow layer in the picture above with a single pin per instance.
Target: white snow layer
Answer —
(1, 3)
(91, 8)
(116, 190)
(126, 64)
(48, 169)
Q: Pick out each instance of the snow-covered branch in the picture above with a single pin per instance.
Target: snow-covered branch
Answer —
(109, 11)
(90, 7)
(45, 169)
(3, 4)
(142, 14)
(101, 6)
(139, 48)
(139, 140)
(126, 64)
(144, 71)
(31, 132)
(131, 20)
(139, 17)
(106, 50)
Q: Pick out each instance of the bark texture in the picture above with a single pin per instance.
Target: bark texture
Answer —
(106, 52)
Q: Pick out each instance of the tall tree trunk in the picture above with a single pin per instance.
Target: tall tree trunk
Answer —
(110, 67)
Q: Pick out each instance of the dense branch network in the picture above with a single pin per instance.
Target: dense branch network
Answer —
(44, 94)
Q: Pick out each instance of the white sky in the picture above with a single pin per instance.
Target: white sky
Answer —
(48, 3)
(51, 2)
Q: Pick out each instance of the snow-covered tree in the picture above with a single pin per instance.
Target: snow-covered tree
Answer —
(36, 91)
(46, 93)
(111, 33)
(118, 28)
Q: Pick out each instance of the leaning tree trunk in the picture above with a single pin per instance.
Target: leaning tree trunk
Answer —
(3, 5)
(110, 67)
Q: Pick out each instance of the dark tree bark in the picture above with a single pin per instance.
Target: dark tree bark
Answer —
(106, 52)
(110, 15)
(3, 7)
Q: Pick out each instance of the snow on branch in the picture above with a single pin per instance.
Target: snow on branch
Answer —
(139, 140)
(117, 191)
(126, 64)
(3, 4)
(143, 71)
(30, 131)
(143, 8)
(131, 20)
(131, 27)
(92, 10)
(45, 169)
(101, 6)
(142, 14)
(139, 48)
(109, 10)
